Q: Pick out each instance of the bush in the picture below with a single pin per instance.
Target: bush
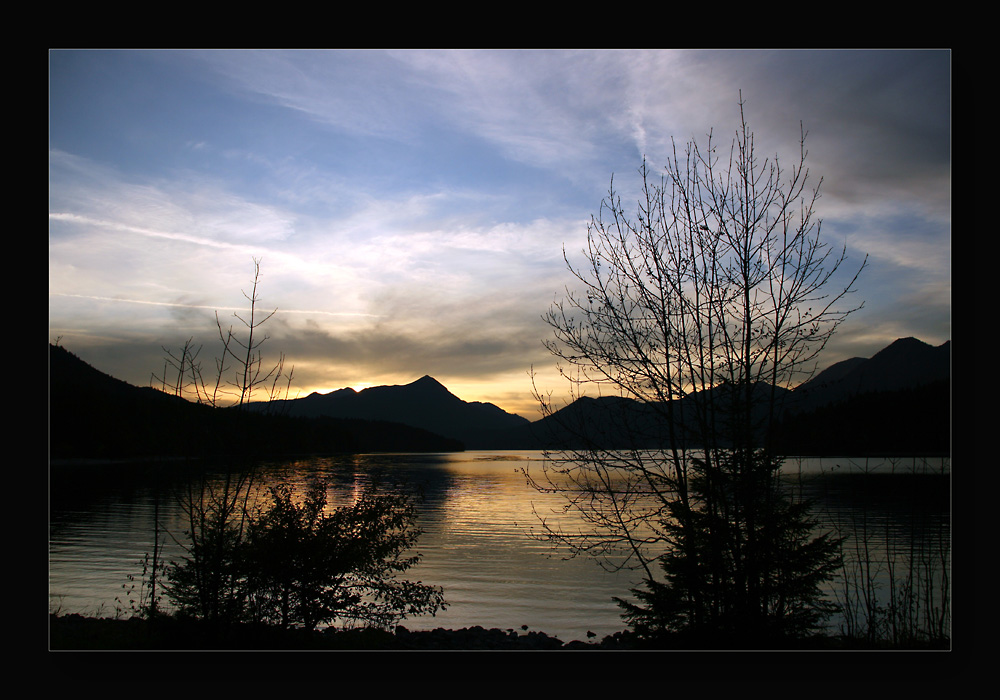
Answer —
(296, 564)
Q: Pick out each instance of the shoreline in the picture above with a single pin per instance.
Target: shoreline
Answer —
(69, 632)
(75, 632)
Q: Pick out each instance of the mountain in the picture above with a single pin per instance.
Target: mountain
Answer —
(424, 403)
(896, 402)
(906, 363)
(612, 422)
(901, 422)
(96, 416)
(608, 421)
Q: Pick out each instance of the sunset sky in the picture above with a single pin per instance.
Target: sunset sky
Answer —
(409, 208)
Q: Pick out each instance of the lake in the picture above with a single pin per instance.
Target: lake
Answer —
(476, 512)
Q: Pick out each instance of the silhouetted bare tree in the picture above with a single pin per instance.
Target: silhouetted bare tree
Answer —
(216, 506)
(692, 319)
(239, 369)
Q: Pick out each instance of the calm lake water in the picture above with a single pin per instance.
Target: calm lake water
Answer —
(476, 512)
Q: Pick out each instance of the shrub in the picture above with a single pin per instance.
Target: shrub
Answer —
(291, 563)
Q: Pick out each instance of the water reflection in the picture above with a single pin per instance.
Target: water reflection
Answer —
(475, 511)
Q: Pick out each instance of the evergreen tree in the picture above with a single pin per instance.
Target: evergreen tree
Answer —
(743, 564)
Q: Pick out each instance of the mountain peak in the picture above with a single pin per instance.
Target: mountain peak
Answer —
(428, 382)
(425, 403)
(344, 391)
(910, 350)
(909, 343)
(904, 363)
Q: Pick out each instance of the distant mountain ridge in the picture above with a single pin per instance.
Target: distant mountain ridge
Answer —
(896, 402)
(424, 403)
(904, 364)
(898, 398)
(93, 415)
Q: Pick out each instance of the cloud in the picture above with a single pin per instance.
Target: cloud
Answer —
(359, 92)
(91, 223)
(179, 205)
(545, 109)
(410, 207)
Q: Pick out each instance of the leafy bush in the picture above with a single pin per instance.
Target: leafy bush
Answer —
(297, 564)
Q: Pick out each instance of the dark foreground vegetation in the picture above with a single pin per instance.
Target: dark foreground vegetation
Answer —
(74, 632)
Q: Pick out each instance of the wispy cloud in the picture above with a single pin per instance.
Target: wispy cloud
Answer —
(117, 226)
(311, 312)
(410, 207)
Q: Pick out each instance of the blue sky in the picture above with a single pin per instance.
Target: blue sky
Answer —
(409, 208)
